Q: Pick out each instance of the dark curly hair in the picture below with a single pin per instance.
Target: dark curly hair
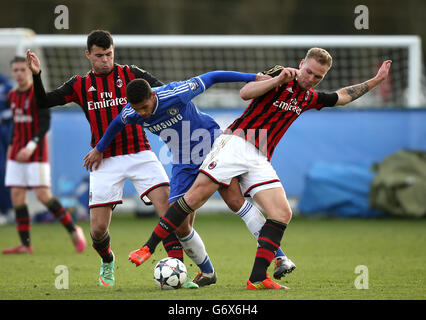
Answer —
(100, 38)
(138, 90)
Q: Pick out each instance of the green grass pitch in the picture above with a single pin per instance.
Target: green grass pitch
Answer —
(326, 253)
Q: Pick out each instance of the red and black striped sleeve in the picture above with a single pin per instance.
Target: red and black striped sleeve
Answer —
(323, 99)
(57, 97)
(143, 74)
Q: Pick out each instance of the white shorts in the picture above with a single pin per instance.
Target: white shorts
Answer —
(107, 182)
(27, 174)
(232, 156)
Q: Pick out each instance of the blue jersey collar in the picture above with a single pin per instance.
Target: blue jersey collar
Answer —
(156, 105)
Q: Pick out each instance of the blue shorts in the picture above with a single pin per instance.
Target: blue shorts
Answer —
(183, 176)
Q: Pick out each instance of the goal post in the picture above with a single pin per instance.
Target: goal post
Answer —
(12, 42)
(178, 57)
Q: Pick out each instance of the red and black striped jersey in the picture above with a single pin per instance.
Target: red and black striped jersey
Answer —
(30, 123)
(102, 97)
(267, 118)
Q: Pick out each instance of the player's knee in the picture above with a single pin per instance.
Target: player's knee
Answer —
(18, 197)
(282, 214)
(43, 195)
(98, 231)
(199, 193)
(286, 214)
(98, 227)
(234, 203)
(289, 215)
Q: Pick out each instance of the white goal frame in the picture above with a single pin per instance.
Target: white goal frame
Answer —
(411, 42)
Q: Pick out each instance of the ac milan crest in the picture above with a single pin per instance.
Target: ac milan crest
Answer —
(119, 83)
(306, 95)
(212, 165)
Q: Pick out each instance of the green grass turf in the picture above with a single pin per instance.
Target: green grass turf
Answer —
(326, 252)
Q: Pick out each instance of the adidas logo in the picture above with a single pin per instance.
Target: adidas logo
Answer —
(289, 89)
(91, 89)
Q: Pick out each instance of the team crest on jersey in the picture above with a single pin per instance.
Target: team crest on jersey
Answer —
(27, 103)
(172, 111)
(306, 95)
(212, 165)
(119, 83)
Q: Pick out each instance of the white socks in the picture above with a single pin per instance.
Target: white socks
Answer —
(195, 249)
(253, 218)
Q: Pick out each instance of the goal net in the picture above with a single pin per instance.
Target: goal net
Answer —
(171, 58)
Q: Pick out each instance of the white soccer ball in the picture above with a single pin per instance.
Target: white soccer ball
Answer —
(170, 273)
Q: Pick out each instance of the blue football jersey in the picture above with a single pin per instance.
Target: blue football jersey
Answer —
(188, 132)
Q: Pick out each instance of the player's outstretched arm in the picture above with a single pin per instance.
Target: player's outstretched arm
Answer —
(57, 97)
(258, 88)
(210, 78)
(351, 93)
(93, 159)
(33, 62)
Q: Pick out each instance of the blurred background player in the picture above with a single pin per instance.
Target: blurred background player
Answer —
(101, 94)
(247, 145)
(6, 127)
(27, 164)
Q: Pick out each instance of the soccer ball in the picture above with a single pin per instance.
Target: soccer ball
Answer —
(170, 273)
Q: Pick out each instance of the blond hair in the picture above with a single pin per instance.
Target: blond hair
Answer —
(320, 55)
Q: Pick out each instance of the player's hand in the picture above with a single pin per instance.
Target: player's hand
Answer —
(287, 75)
(33, 62)
(261, 77)
(383, 71)
(93, 159)
(24, 154)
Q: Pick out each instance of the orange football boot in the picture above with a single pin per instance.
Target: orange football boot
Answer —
(265, 284)
(139, 256)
